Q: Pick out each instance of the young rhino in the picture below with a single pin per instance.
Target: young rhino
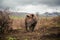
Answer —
(30, 22)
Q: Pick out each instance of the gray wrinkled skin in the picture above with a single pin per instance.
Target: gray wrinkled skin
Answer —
(30, 23)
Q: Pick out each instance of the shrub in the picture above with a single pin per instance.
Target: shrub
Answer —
(4, 22)
(56, 20)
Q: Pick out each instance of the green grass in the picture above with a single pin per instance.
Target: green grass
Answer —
(15, 17)
(11, 38)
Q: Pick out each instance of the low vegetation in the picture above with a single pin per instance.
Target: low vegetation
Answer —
(4, 22)
(47, 28)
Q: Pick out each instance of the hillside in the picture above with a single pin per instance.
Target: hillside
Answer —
(46, 14)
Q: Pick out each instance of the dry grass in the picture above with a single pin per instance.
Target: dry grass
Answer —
(46, 29)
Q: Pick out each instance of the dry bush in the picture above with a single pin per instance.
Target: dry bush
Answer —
(56, 19)
(52, 22)
(48, 22)
(4, 22)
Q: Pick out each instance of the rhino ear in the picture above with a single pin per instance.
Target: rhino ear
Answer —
(0, 11)
(32, 15)
(27, 16)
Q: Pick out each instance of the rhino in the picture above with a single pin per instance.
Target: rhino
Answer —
(30, 22)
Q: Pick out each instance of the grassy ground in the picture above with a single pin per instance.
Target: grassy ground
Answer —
(15, 17)
(41, 34)
(45, 29)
